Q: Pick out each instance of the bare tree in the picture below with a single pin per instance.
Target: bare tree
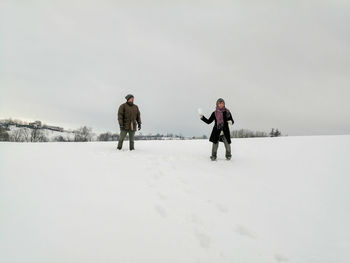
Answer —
(4, 136)
(15, 136)
(105, 137)
(37, 135)
(83, 134)
(20, 135)
(108, 136)
(59, 138)
(244, 133)
(275, 133)
(26, 134)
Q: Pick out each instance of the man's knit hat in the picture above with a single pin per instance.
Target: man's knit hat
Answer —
(129, 96)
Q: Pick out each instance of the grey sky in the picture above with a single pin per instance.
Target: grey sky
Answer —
(282, 64)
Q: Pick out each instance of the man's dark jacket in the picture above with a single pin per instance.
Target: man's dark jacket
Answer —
(128, 116)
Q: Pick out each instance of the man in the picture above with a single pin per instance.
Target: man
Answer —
(128, 117)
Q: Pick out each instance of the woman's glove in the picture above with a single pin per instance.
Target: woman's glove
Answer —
(200, 112)
(230, 122)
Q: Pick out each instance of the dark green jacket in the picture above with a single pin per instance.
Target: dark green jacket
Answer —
(129, 116)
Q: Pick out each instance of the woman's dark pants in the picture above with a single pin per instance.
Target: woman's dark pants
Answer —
(215, 147)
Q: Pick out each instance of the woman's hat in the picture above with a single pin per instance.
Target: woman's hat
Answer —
(219, 101)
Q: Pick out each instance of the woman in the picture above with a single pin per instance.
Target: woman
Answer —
(221, 132)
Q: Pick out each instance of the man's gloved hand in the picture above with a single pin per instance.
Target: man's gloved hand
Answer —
(139, 127)
(121, 127)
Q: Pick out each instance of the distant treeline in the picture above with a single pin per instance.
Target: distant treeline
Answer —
(36, 132)
(245, 133)
(24, 134)
(32, 125)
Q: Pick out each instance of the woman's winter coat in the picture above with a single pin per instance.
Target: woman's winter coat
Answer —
(215, 134)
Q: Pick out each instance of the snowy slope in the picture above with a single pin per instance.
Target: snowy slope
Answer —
(279, 200)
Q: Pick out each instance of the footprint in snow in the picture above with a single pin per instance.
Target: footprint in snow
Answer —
(156, 176)
(183, 181)
(280, 258)
(203, 239)
(150, 184)
(160, 210)
(187, 191)
(243, 231)
(222, 208)
(162, 196)
(196, 219)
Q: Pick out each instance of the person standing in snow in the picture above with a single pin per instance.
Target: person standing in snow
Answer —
(221, 131)
(128, 116)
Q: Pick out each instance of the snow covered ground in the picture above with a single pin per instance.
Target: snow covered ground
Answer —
(279, 200)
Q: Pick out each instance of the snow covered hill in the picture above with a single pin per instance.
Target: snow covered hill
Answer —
(279, 200)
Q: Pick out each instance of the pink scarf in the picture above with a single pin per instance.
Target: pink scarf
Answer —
(219, 115)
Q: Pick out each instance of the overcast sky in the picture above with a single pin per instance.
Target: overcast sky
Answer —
(282, 64)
